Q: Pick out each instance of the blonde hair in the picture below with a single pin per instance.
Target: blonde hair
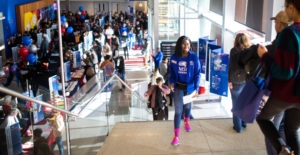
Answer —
(241, 41)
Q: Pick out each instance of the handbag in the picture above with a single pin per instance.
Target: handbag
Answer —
(253, 97)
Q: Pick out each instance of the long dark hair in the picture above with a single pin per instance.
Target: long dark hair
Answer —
(178, 48)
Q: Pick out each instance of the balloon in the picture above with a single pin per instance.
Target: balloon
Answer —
(63, 30)
(82, 17)
(79, 13)
(66, 24)
(31, 58)
(70, 29)
(83, 13)
(23, 53)
(80, 8)
(26, 41)
(33, 48)
(63, 19)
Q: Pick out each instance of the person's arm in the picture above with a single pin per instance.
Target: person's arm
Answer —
(165, 90)
(172, 77)
(149, 91)
(283, 65)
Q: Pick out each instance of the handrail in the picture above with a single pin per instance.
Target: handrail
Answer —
(16, 94)
(107, 82)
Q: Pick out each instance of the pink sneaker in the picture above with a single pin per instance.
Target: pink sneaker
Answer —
(175, 141)
(187, 126)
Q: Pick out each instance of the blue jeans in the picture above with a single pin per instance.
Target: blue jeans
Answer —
(179, 107)
(235, 93)
(106, 78)
(279, 125)
(58, 141)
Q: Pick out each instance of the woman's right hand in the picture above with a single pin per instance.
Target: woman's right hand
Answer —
(230, 85)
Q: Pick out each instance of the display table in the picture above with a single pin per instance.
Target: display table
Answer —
(78, 75)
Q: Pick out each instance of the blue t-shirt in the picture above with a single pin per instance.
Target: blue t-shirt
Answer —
(182, 69)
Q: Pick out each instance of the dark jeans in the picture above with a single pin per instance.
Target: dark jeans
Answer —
(235, 93)
(291, 124)
(126, 54)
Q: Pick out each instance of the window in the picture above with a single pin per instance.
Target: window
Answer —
(216, 6)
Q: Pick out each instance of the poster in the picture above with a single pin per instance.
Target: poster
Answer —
(80, 48)
(67, 66)
(49, 34)
(202, 53)
(86, 43)
(219, 72)
(211, 45)
(76, 59)
(90, 39)
(11, 140)
(53, 86)
(38, 113)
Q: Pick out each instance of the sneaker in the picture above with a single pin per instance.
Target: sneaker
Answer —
(187, 126)
(175, 141)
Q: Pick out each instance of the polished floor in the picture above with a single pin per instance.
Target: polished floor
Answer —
(208, 137)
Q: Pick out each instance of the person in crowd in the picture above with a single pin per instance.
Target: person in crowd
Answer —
(39, 141)
(184, 80)
(121, 70)
(109, 33)
(163, 69)
(131, 38)
(107, 49)
(125, 42)
(281, 21)
(108, 68)
(115, 44)
(98, 49)
(44, 47)
(138, 35)
(124, 32)
(58, 126)
(157, 58)
(237, 75)
(157, 96)
(283, 68)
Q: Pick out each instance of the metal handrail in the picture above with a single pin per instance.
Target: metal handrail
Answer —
(107, 82)
(19, 95)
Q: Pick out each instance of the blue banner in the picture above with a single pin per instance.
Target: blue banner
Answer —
(38, 113)
(219, 72)
(202, 52)
(211, 45)
(16, 139)
(67, 66)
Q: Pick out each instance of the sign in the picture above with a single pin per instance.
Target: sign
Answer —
(38, 113)
(76, 59)
(49, 34)
(86, 43)
(219, 72)
(80, 48)
(67, 66)
(10, 138)
(211, 44)
(53, 86)
(90, 40)
(39, 39)
(202, 53)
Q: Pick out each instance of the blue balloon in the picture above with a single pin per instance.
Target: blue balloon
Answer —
(26, 41)
(82, 17)
(31, 58)
(80, 8)
(63, 19)
(70, 29)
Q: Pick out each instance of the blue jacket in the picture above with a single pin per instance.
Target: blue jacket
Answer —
(158, 58)
(193, 72)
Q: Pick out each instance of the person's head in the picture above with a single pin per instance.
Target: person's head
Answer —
(55, 113)
(121, 58)
(107, 57)
(37, 132)
(124, 24)
(183, 45)
(281, 21)
(165, 60)
(159, 81)
(241, 41)
(157, 50)
(292, 8)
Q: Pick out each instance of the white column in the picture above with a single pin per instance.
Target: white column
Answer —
(154, 26)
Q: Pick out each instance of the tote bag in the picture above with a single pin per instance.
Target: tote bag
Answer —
(253, 97)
